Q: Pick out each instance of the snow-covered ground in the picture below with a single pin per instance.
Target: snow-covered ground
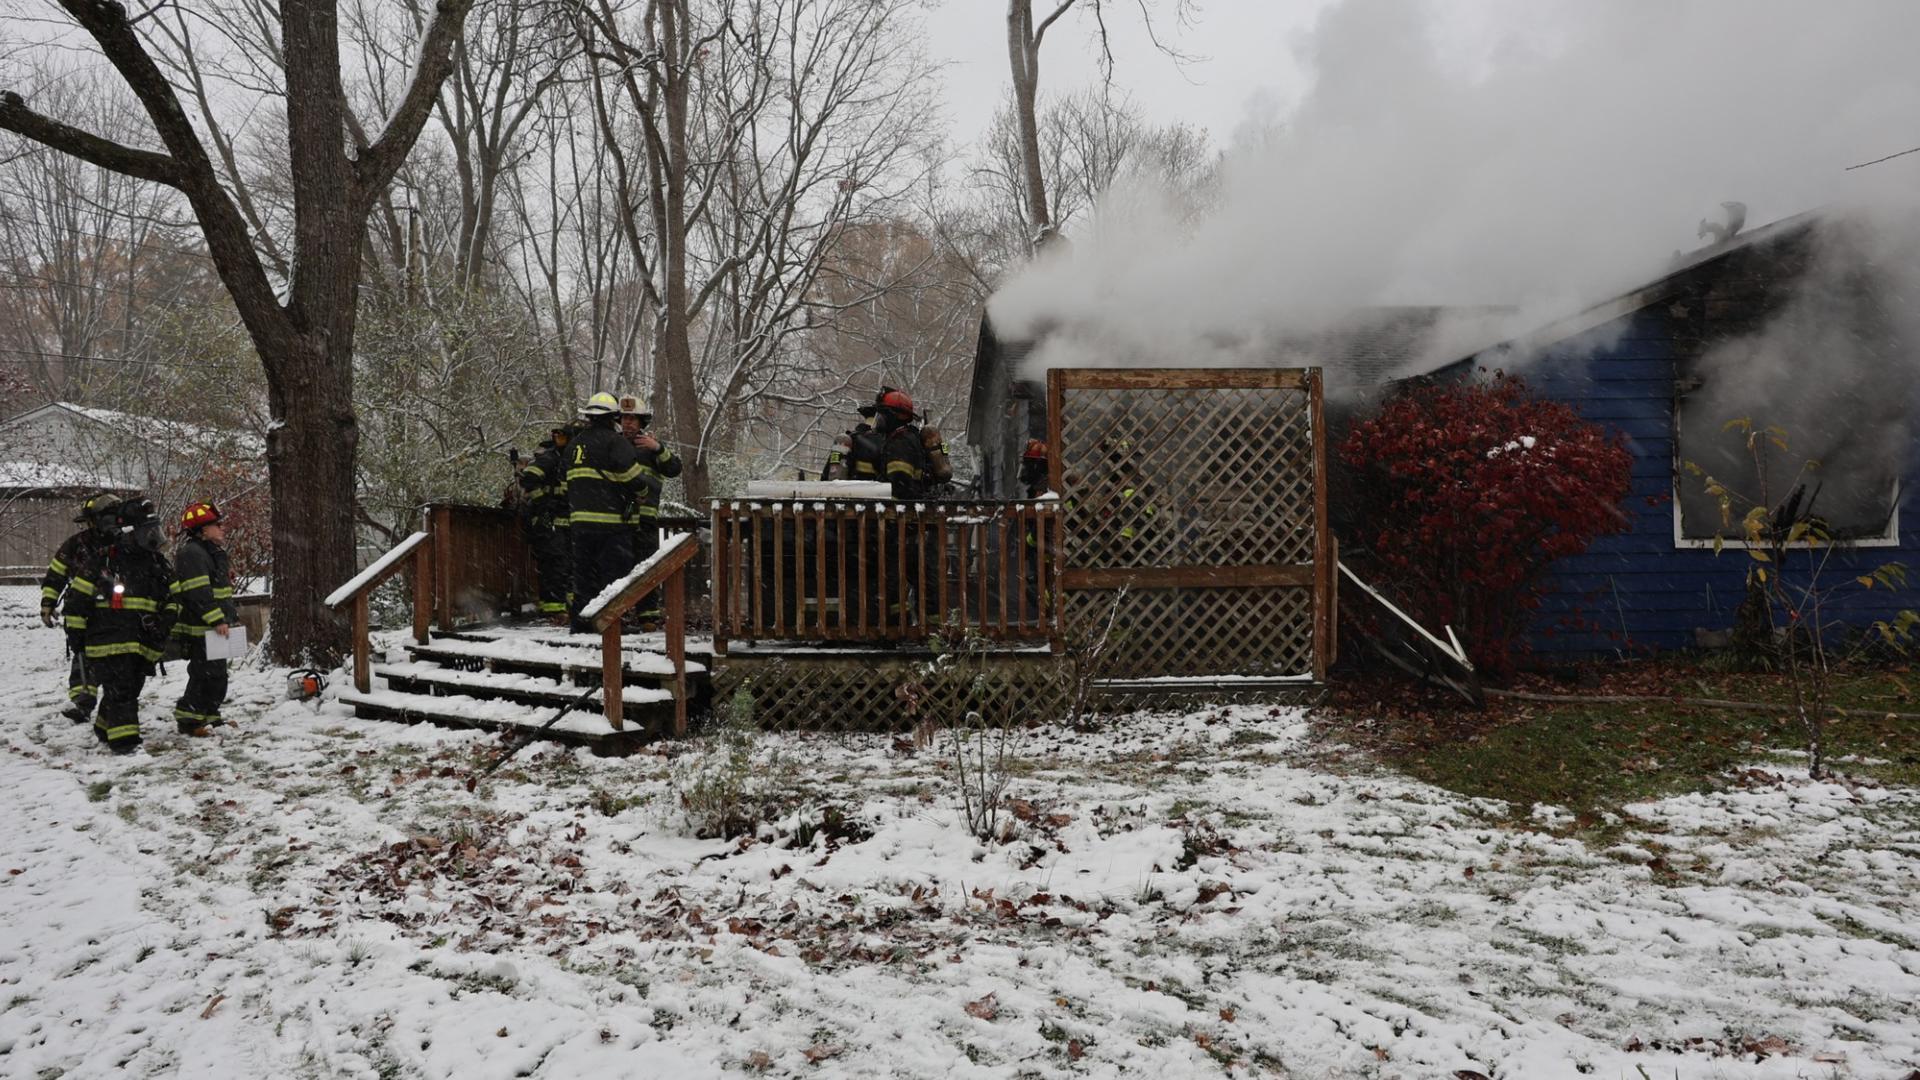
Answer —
(315, 895)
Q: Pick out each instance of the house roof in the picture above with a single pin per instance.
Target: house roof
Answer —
(49, 476)
(147, 428)
(1660, 290)
(1367, 346)
(1381, 346)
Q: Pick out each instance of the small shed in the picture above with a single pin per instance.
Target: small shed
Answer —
(54, 456)
(37, 506)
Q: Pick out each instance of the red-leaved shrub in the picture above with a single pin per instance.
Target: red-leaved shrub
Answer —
(1466, 493)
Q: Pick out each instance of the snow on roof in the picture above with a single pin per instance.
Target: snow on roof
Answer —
(42, 475)
(154, 429)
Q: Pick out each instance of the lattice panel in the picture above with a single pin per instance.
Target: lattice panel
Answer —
(1187, 476)
(1192, 632)
(887, 692)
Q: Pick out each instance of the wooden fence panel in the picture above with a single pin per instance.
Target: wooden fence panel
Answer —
(1195, 518)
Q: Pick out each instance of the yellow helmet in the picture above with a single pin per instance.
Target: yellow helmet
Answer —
(601, 404)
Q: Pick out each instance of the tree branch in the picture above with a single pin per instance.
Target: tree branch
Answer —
(88, 147)
(376, 166)
(1041, 30)
(192, 170)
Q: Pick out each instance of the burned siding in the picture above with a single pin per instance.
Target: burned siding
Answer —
(1643, 589)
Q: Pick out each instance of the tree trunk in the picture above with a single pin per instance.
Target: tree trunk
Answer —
(1023, 55)
(310, 471)
(674, 362)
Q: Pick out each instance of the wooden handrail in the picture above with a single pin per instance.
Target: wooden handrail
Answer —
(415, 551)
(666, 569)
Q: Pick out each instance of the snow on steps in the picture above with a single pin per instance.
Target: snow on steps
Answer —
(416, 677)
(531, 654)
(584, 725)
(514, 678)
(563, 638)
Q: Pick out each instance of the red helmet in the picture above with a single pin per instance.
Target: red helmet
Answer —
(1035, 450)
(898, 403)
(197, 515)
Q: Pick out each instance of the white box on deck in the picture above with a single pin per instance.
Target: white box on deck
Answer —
(818, 489)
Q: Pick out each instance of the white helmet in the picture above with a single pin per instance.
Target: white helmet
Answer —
(601, 404)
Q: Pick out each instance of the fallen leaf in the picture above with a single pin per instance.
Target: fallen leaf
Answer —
(984, 1009)
(1227, 1015)
(759, 1060)
(16, 870)
(1380, 1053)
(502, 1033)
(1468, 872)
(820, 1052)
(1469, 1074)
(207, 1013)
(1075, 1051)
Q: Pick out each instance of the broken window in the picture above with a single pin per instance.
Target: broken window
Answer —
(1827, 371)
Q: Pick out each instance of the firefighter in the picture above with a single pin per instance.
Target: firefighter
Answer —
(905, 461)
(79, 556)
(128, 621)
(839, 460)
(1133, 507)
(1033, 468)
(867, 447)
(202, 602)
(906, 467)
(1033, 478)
(605, 485)
(657, 466)
(545, 522)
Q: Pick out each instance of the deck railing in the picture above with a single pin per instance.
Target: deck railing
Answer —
(414, 553)
(664, 570)
(884, 571)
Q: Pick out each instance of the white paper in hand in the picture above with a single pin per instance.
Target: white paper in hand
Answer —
(231, 647)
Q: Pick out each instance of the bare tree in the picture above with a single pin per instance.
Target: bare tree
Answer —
(1092, 142)
(1024, 38)
(86, 256)
(305, 335)
(743, 135)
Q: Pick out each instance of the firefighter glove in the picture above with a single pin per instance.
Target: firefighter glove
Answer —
(46, 615)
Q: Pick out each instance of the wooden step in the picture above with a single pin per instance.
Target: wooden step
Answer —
(559, 636)
(523, 657)
(420, 677)
(582, 727)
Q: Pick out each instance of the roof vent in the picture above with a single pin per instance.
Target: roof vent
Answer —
(1736, 216)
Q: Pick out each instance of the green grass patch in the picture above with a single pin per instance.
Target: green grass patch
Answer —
(1597, 757)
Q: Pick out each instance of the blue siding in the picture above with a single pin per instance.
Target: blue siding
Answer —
(1642, 591)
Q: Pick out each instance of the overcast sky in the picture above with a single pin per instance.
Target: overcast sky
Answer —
(1239, 49)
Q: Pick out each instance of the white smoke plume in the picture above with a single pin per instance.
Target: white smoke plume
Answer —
(1532, 155)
